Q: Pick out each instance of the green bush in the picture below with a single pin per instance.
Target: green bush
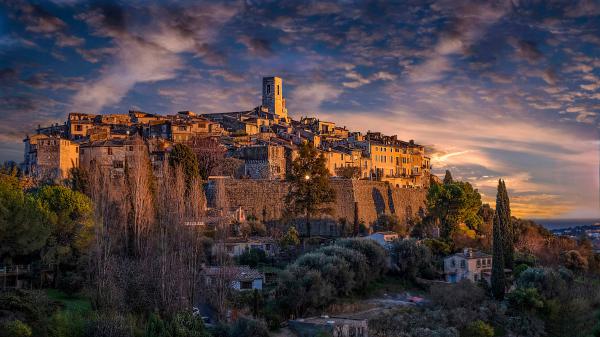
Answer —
(245, 327)
(253, 257)
(16, 328)
(66, 324)
(478, 329)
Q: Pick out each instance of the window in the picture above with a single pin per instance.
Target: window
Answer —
(130, 148)
(268, 89)
(76, 150)
(110, 151)
(245, 285)
(81, 151)
(78, 128)
(277, 90)
(463, 264)
(117, 164)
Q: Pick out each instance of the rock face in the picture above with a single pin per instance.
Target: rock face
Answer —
(365, 200)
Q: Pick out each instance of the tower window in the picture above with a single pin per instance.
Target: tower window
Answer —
(277, 90)
(268, 89)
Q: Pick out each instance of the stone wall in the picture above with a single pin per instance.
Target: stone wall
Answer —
(265, 199)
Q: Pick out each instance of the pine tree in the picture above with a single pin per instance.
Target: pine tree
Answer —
(498, 277)
(448, 178)
(310, 191)
(505, 224)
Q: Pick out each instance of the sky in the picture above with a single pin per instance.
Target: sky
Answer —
(494, 89)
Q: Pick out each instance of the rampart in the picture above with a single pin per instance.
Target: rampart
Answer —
(265, 199)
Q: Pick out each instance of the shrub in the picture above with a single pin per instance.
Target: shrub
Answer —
(478, 329)
(253, 257)
(245, 327)
(66, 324)
(465, 294)
(16, 328)
(411, 258)
(184, 324)
(375, 254)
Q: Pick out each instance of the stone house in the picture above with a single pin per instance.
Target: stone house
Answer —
(265, 161)
(50, 157)
(240, 278)
(471, 265)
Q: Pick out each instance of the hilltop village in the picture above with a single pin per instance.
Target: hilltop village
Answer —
(261, 143)
(251, 223)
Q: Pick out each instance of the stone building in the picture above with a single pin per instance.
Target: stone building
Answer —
(402, 164)
(50, 157)
(265, 161)
(272, 97)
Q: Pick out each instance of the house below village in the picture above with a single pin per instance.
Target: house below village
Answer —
(240, 278)
(471, 265)
(384, 238)
(236, 246)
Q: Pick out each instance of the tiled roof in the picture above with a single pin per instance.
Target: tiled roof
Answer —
(238, 273)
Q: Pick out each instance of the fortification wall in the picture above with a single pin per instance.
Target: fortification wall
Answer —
(265, 199)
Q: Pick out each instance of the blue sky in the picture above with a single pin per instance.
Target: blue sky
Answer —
(495, 89)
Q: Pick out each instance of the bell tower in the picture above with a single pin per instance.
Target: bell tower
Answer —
(272, 96)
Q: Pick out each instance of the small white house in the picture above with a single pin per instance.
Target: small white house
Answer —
(469, 264)
(384, 238)
(241, 278)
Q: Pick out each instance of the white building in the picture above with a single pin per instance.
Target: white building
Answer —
(469, 264)
(384, 238)
(241, 278)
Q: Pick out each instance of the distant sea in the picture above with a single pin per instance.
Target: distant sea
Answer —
(565, 223)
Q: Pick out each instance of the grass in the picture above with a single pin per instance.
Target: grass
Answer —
(70, 302)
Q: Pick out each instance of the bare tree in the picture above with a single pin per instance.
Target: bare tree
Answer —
(209, 152)
(139, 180)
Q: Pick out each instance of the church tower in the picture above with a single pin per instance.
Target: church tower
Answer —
(272, 96)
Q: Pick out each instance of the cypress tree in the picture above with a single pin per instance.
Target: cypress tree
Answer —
(498, 277)
(448, 178)
(505, 224)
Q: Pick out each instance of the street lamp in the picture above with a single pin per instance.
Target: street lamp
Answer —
(307, 177)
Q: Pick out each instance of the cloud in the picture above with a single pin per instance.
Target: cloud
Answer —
(358, 80)
(309, 98)
(147, 51)
(469, 21)
(256, 46)
(527, 50)
(591, 86)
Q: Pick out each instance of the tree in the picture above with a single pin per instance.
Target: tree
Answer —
(375, 254)
(183, 156)
(72, 226)
(291, 237)
(454, 203)
(505, 223)
(310, 189)
(210, 156)
(498, 277)
(411, 258)
(392, 223)
(448, 178)
(23, 221)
